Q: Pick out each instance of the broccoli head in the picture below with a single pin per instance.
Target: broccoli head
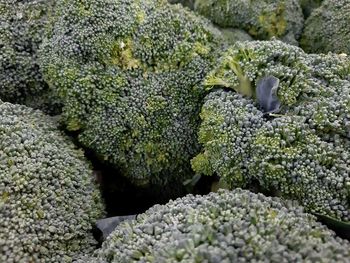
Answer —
(281, 124)
(129, 74)
(327, 28)
(22, 26)
(261, 19)
(48, 200)
(228, 226)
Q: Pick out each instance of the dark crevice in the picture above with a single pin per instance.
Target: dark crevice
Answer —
(121, 197)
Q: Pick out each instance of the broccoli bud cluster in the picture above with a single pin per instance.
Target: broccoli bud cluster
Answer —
(22, 27)
(48, 200)
(299, 149)
(228, 226)
(261, 19)
(327, 28)
(129, 74)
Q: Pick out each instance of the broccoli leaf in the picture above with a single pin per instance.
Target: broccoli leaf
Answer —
(266, 93)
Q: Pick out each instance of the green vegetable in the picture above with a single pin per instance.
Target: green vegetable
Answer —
(22, 27)
(300, 152)
(261, 19)
(236, 226)
(48, 200)
(131, 82)
(327, 28)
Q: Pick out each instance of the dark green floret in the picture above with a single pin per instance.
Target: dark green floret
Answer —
(22, 27)
(261, 19)
(228, 226)
(327, 28)
(129, 74)
(300, 149)
(48, 200)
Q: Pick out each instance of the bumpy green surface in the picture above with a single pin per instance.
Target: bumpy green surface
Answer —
(48, 200)
(300, 152)
(237, 226)
(327, 28)
(261, 19)
(129, 74)
(22, 26)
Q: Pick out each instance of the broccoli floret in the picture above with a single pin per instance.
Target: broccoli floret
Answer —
(228, 226)
(297, 148)
(261, 19)
(229, 124)
(22, 26)
(48, 200)
(327, 28)
(129, 74)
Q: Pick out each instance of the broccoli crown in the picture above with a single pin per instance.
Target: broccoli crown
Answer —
(298, 149)
(48, 199)
(228, 226)
(129, 74)
(22, 26)
(261, 19)
(327, 28)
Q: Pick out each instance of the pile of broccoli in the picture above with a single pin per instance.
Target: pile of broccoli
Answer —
(228, 226)
(48, 199)
(282, 123)
(158, 93)
(129, 75)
